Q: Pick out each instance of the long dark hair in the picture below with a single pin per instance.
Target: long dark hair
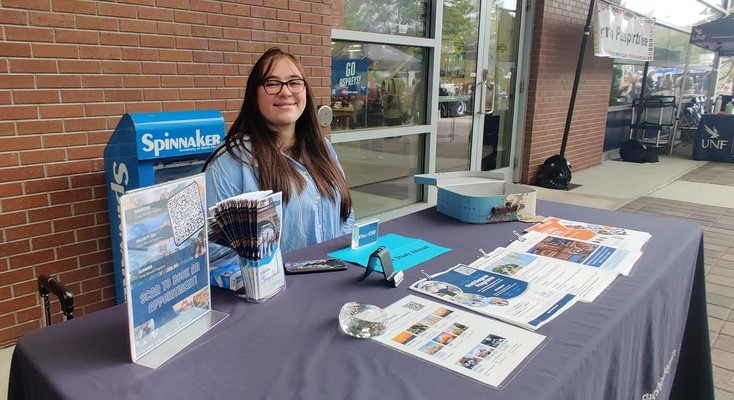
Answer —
(271, 167)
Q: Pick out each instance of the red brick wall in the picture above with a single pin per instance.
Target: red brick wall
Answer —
(556, 43)
(69, 69)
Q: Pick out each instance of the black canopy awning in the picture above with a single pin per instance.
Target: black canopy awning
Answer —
(716, 35)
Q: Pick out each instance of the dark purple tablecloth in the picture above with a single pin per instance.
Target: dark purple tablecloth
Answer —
(645, 338)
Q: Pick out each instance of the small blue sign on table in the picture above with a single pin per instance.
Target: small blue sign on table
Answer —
(364, 232)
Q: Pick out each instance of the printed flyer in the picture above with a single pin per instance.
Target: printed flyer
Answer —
(585, 282)
(578, 251)
(479, 348)
(525, 304)
(165, 254)
(605, 235)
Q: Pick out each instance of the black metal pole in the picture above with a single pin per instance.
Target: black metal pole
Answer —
(645, 69)
(640, 102)
(574, 91)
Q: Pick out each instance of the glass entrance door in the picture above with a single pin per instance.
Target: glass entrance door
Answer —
(475, 124)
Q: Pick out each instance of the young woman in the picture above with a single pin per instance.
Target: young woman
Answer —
(275, 143)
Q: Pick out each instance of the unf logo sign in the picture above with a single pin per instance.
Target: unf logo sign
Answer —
(714, 141)
(698, 34)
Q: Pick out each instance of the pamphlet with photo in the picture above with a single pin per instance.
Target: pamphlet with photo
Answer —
(486, 350)
(525, 304)
(605, 235)
(583, 281)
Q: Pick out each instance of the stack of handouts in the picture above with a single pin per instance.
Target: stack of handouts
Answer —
(251, 225)
(540, 274)
(599, 246)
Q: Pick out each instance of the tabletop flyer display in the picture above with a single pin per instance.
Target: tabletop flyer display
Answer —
(251, 225)
(165, 254)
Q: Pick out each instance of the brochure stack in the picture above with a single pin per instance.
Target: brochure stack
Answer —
(251, 225)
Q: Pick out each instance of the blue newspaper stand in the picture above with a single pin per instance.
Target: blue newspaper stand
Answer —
(150, 148)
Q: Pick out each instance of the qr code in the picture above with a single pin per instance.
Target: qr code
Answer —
(412, 305)
(186, 212)
(464, 270)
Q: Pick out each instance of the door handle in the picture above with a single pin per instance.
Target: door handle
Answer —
(484, 110)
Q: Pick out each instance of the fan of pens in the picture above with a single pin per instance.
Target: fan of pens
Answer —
(233, 223)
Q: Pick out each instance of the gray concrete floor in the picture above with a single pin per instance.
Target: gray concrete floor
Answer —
(676, 186)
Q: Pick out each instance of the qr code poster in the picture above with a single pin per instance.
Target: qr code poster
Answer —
(165, 261)
(187, 213)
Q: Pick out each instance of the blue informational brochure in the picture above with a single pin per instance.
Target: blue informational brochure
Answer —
(518, 302)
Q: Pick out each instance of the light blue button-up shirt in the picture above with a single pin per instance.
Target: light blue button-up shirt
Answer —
(308, 218)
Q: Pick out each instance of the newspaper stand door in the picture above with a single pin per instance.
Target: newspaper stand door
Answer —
(166, 268)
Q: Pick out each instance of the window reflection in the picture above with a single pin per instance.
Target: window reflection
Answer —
(660, 81)
(683, 13)
(380, 172)
(396, 17)
(376, 85)
(670, 46)
(666, 72)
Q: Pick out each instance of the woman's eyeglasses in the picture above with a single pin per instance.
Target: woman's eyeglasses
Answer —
(273, 86)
